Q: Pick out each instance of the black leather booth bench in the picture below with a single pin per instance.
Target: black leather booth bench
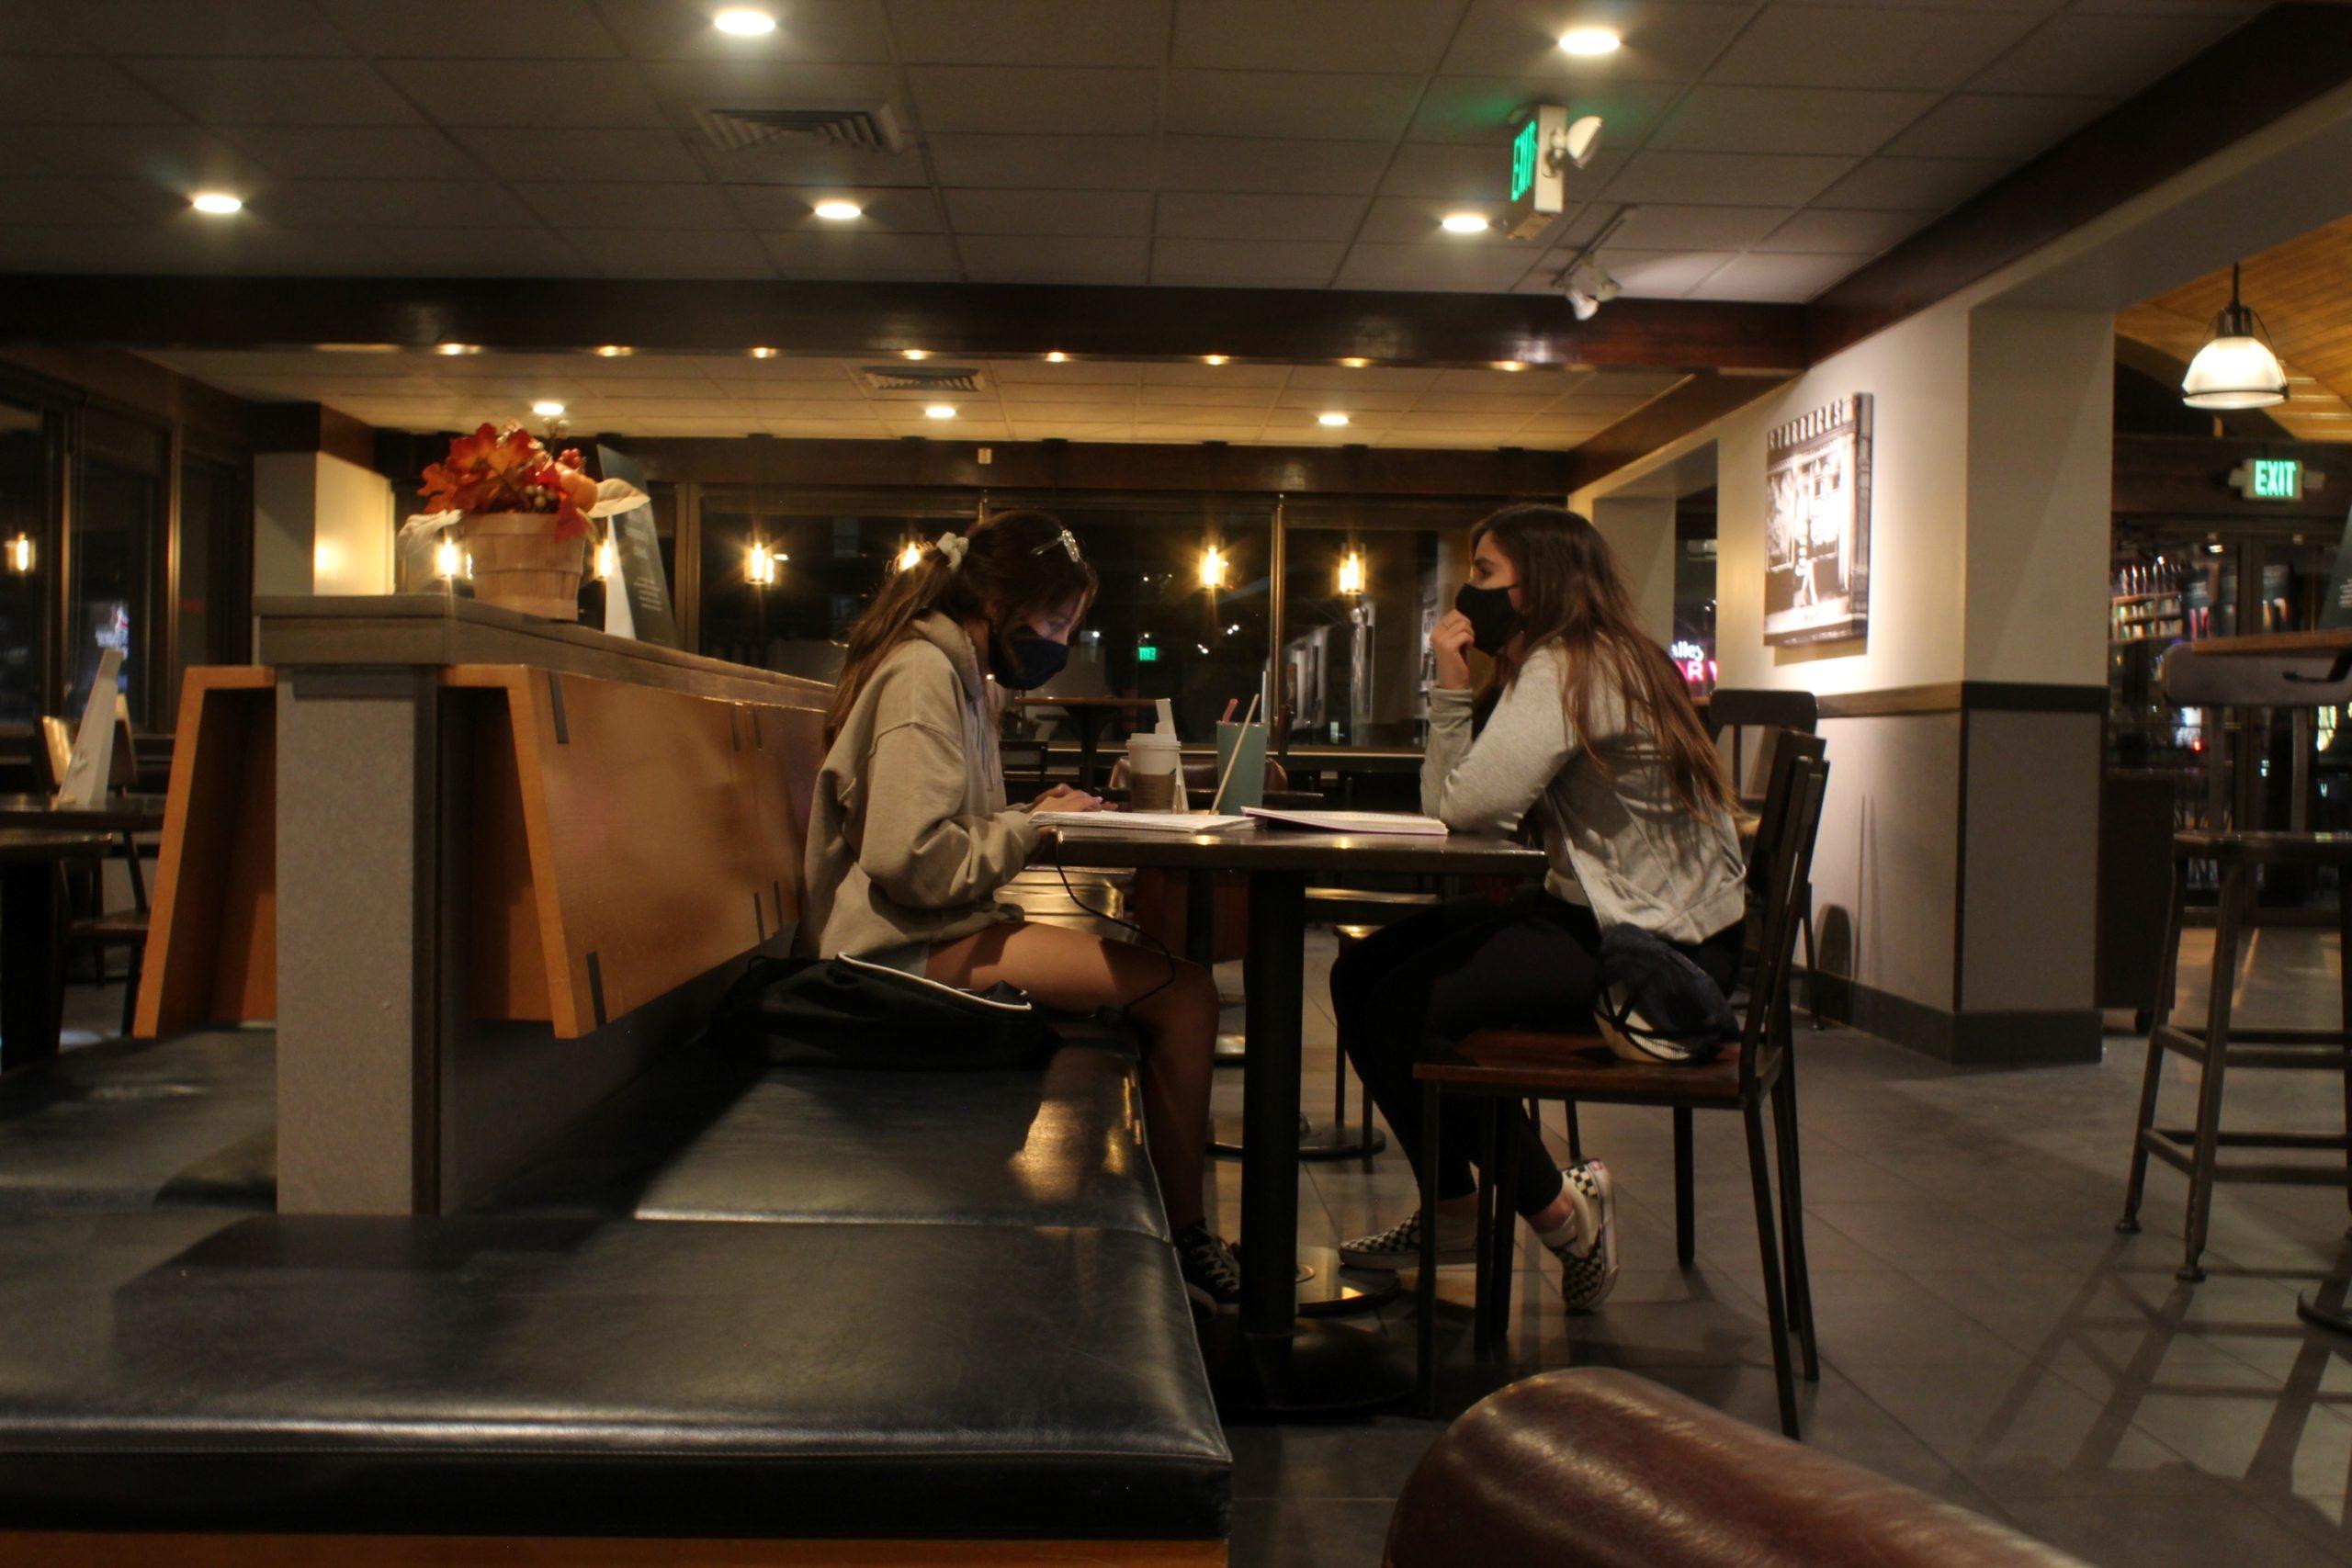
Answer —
(733, 1301)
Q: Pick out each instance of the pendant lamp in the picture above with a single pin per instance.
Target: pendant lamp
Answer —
(2235, 369)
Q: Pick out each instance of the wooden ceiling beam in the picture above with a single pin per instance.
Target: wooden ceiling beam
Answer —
(848, 320)
(1658, 424)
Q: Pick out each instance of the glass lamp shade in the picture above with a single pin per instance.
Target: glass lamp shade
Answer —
(2234, 373)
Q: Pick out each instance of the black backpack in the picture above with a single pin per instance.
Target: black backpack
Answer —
(847, 1012)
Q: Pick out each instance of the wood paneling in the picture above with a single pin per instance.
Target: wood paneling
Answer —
(213, 417)
(313, 427)
(2282, 60)
(2302, 291)
(212, 940)
(75, 1548)
(2164, 476)
(701, 316)
(1696, 403)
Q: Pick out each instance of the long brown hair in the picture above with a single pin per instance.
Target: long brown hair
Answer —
(1015, 567)
(1572, 594)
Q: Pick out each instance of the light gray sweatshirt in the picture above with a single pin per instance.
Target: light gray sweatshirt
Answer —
(908, 837)
(1618, 838)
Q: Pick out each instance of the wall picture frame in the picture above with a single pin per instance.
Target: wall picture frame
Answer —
(1818, 526)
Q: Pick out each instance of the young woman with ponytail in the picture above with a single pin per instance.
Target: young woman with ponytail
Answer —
(910, 836)
(1584, 734)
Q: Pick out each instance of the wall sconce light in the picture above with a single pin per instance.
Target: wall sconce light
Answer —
(20, 554)
(608, 560)
(447, 559)
(1352, 572)
(760, 563)
(911, 558)
(1211, 568)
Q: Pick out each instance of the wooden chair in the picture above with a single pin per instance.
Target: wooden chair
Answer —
(1779, 713)
(1505, 1066)
(95, 929)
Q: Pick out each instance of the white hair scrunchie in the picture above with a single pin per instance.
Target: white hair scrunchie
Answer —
(953, 546)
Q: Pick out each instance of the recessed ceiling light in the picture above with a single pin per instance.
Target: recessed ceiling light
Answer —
(1464, 223)
(547, 408)
(216, 203)
(1331, 419)
(940, 411)
(614, 351)
(763, 353)
(915, 352)
(1214, 359)
(742, 21)
(1590, 41)
(839, 211)
(1355, 363)
(458, 348)
(1057, 357)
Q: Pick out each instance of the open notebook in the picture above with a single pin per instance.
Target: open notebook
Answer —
(1149, 821)
(1352, 821)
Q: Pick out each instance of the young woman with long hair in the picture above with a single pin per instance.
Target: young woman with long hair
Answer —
(1584, 733)
(910, 836)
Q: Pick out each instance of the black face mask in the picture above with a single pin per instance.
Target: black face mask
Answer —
(1492, 619)
(1024, 660)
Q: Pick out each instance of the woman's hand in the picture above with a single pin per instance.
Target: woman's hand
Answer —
(1061, 797)
(1449, 640)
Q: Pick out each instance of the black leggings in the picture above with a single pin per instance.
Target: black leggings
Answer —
(1466, 965)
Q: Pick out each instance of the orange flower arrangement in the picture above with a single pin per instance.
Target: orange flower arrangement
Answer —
(509, 470)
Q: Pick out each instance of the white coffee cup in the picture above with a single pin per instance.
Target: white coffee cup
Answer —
(1152, 762)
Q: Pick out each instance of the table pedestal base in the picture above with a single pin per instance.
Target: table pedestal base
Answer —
(1324, 1291)
(1320, 1369)
(2326, 1306)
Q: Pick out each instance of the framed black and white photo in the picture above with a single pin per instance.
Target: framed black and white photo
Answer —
(1818, 526)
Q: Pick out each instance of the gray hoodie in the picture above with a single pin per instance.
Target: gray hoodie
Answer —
(1618, 838)
(909, 838)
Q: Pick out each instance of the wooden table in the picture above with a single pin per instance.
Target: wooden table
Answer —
(1088, 714)
(32, 938)
(115, 814)
(1272, 1362)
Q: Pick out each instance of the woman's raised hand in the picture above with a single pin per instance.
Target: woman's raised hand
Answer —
(1450, 641)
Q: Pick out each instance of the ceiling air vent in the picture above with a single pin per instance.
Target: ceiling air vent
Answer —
(872, 129)
(910, 380)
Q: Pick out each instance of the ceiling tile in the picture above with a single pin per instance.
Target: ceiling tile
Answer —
(452, 28)
(911, 256)
(1381, 377)
(180, 158)
(177, 27)
(374, 152)
(1481, 173)
(851, 31)
(1041, 258)
(1507, 383)
(1235, 164)
(682, 86)
(662, 252)
(1030, 32)
(277, 92)
(1300, 104)
(1223, 261)
(24, 29)
(1041, 162)
(1457, 422)
(1344, 399)
(1818, 229)
(1480, 268)
(522, 152)
(1315, 35)
(1719, 118)
(1975, 125)
(782, 376)
(1665, 227)
(572, 205)
(1727, 179)
(2109, 55)
(1498, 404)
(810, 164)
(390, 203)
(50, 90)
(1186, 215)
(70, 201)
(785, 209)
(1663, 42)
(1164, 415)
(1483, 110)
(1792, 278)
(1184, 373)
(550, 93)
(1204, 396)
(1117, 212)
(1822, 46)
(1913, 185)
(1410, 221)
(1035, 101)
(1037, 379)
(1662, 273)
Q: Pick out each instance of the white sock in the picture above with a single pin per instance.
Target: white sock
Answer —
(1574, 1227)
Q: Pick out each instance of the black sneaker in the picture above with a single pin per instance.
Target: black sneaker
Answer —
(1211, 1276)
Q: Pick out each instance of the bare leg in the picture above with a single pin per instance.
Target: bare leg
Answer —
(1076, 972)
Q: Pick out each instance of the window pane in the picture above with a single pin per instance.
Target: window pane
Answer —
(111, 570)
(211, 521)
(24, 510)
(1356, 666)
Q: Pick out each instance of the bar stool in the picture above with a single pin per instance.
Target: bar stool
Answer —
(2220, 1046)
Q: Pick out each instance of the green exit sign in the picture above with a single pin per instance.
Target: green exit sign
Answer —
(2275, 478)
(1147, 654)
(1523, 156)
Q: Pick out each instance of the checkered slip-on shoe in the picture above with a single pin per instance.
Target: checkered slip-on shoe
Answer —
(1588, 1257)
(1400, 1246)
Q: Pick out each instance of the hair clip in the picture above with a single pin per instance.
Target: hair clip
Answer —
(1065, 539)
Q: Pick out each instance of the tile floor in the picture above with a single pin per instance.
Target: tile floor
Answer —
(1984, 1332)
